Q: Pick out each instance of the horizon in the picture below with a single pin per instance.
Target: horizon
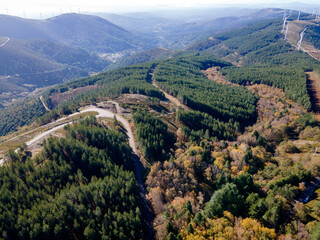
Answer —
(34, 9)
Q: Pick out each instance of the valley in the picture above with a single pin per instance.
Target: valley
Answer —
(215, 139)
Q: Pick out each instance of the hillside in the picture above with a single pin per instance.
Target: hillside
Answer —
(225, 145)
(40, 53)
(310, 42)
(193, 31)
(144, 56)
(178, 32)
(29, 64)
(177, 28)
(264, 56)
(88, 32)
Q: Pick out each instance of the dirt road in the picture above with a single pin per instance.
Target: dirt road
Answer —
(171, 98)
(44, 105)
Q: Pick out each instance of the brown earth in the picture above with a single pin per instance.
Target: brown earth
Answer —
(313, 86)
(214, 75)
(57, 98)
(171, 98)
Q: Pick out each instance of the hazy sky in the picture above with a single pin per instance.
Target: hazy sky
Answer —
(33, 8)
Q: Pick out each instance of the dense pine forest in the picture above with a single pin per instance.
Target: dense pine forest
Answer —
(79, 187)
(183, 79)
(152, 134)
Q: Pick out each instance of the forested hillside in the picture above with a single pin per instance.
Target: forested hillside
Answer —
(226, 146)
(313, 36)
(265, 57)
(79, 187)
(182, 78)
(68, 97)
(19, 114)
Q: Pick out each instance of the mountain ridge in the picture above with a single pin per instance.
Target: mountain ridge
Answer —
(72, 29)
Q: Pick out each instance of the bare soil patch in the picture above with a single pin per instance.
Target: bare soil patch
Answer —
(57, 98)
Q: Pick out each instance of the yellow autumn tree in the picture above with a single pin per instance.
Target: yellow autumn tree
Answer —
(255, 230)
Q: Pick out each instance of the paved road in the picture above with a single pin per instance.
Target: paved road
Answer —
(144, 204)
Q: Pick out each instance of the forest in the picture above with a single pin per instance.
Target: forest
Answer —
(131, 79)
(266, 58)
(152, 135)
(198, 125)
(292, 80)
(78, 187)
(236, 162)
(183, 79)
(235, 189)
(18, 114)
(313, 35)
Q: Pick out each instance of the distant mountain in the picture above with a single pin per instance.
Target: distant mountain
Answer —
(148, 24)
(177, 28)
(234, 44)
(29, 64)
(88, 32)
(224, 23)
(193, 31)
